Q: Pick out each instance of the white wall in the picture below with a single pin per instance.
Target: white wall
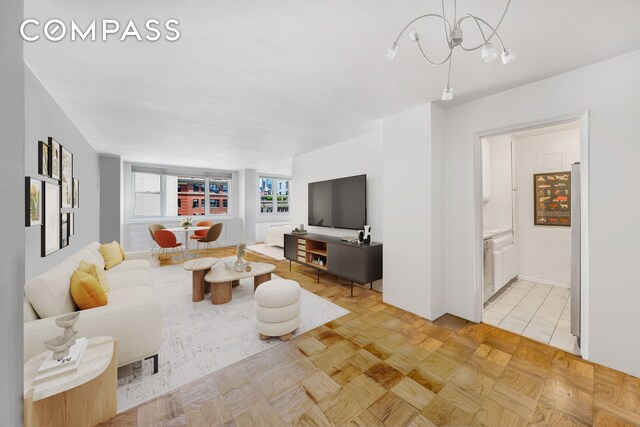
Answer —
(361, 155)
(12, 262)
(110, 198)
(609, 91)
(544, 252)
(497, 212)
(45, 118)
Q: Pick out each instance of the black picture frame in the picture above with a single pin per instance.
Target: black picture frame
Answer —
(30, 199)
(55, 161)
(76, 193)
(50, 230)
(44, 159)
(64, 230)
(66, 178)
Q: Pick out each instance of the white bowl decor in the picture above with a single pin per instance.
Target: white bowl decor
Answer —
(60, 345)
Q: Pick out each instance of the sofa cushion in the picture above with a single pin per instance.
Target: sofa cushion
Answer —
(99, 275)
(111, 254)
(128, 279)
(89, 255)
(132, 265)
(49, 294)
(86, 291)
(28, 313)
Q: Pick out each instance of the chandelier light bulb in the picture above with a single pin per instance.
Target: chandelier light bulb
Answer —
(391, 52)
(507, 56)
(447, 95)
(489, 52)
(415, 35)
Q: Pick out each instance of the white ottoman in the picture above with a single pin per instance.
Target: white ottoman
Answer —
(277, 308)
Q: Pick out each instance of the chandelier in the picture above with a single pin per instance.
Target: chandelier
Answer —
(454, 37)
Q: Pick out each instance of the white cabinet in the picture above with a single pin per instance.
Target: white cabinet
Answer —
(486, 170)
(505, 256)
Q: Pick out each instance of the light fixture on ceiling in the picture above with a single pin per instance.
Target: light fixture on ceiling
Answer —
(454, 36)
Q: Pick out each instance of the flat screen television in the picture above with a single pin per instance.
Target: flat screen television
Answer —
(339, 203)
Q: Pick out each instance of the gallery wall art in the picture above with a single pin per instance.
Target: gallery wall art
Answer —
(552, 199)
(50, 231)
(33, 200)
(54, 147)
(48, 203)
(44, 159)
(66, 178)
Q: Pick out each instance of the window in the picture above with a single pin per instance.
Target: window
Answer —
(156, 194)
(218, 195)
(148, 194)
(274, 195)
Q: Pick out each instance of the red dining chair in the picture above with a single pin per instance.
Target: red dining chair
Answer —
(166, 240)
(199, 234)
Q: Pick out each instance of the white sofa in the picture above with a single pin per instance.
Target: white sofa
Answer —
(133, 315)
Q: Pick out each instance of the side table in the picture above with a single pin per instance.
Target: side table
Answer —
(86, 397)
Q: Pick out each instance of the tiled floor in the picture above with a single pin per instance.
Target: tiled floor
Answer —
(534, 310)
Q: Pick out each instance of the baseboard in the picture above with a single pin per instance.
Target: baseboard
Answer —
(544, 281)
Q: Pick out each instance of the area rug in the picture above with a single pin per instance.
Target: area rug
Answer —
(200, 338)
(275, 252)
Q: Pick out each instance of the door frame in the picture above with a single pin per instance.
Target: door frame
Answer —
(583, 118)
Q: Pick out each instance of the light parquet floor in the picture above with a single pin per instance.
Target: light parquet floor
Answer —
(382, 366)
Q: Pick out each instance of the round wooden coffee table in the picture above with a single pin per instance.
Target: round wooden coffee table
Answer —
(199, 267)
(222, 279)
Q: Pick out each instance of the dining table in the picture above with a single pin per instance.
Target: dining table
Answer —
(187, 230)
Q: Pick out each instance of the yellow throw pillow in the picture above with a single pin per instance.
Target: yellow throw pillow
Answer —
(121, 251)
(96, 272)
(86, 291)
(111, 254)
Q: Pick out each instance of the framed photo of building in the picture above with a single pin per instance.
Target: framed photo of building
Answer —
(33, 201)
(44, 159)
(552, 199)
(66, 175)
(76, 193)
(50, 231)
(64, 230)
(54, 155)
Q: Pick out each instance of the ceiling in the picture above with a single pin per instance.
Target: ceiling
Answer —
(252, 83)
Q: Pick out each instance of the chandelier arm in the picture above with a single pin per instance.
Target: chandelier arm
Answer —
(494, 30)
(449, 72)
(478, 21)
(435, 64)
(428, 15)
(467, 16)
(444, 23)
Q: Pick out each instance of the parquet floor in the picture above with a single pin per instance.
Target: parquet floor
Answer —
(380, 365)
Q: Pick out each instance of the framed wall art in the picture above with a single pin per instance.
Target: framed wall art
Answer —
(72, 225)
(54, 153)
(64, 230)
(44, 159)
(33, 201)
(76, 193)
(552, 199)
(50, 231)
(66, 178)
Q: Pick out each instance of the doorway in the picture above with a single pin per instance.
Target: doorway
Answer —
(532, 233)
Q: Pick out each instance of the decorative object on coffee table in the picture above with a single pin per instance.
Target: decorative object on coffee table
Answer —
(83, 397)
(223, 279)
(278, 308)
(60, 344)
(241, 251)
(199, 268)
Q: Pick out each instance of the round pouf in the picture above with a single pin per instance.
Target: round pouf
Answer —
(277, 308)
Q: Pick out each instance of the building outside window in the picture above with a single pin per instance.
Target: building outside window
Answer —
(274, 195)
(170, 195)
